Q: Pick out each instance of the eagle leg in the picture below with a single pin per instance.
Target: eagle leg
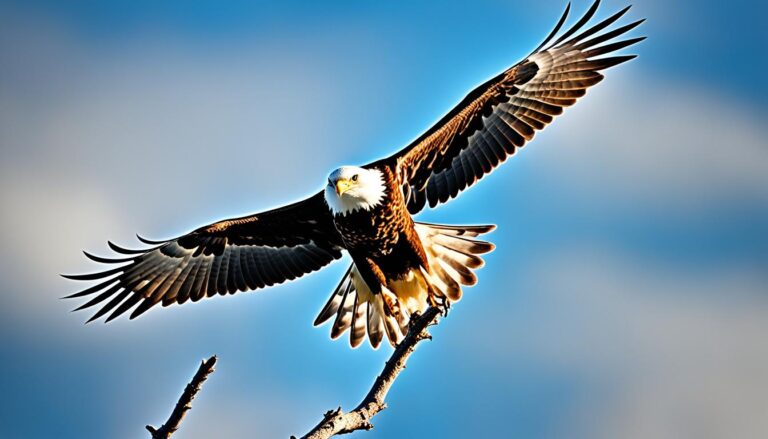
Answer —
(438, 301)
(391, 303)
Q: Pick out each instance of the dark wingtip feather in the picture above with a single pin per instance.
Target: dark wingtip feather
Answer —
(589, 14)
(81, 307)
(148, 241)
(620, 14)
(92, 289)
(93, 276)
(125, 306)
(101, 297)
(123, 250)
(613, 47)
(555, 30)
(93, 317)
(609, 35)
(625, 58)
(142, 308)
(606, 63)
(598, 27)
(111, 304)
(625, 9)
(106, 260)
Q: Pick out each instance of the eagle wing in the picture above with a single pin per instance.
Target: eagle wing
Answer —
(222, 258)
(504, 113)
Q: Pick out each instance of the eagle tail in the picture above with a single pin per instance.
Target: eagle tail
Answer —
(356, 308)
(452, 253)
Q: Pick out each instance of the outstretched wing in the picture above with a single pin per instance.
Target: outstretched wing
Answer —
(504, 113)
(225, 257)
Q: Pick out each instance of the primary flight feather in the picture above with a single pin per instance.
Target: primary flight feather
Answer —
(399, 266)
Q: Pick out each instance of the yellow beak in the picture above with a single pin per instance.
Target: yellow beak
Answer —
(343, 185)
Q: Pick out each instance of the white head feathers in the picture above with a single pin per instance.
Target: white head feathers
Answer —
(351, 188)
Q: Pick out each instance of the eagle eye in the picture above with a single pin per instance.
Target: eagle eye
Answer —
(354, 177)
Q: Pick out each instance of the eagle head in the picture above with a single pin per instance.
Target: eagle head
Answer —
(351, 188)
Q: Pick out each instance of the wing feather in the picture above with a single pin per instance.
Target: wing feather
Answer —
(505, 113)
(222, 258)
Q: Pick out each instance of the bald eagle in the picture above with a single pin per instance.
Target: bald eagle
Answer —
(399, 266)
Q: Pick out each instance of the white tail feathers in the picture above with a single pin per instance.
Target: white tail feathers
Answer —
(452, 255)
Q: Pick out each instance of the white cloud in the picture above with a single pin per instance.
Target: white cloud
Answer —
(98, 145)
(42, 220)
(663, 353)
(638, 138)
(155, 139)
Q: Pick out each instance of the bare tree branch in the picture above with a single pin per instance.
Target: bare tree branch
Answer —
(336, 422)
(185, 401)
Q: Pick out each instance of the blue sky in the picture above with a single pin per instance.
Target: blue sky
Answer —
(626, 297)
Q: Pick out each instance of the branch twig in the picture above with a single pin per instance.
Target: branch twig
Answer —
(337, 422)
(185, 401)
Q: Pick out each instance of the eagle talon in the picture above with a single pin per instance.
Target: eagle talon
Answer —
(440, 302)
(444, 307)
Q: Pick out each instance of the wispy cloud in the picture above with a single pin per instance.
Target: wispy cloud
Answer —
(158, 135)
(99, 146)
(665, 353)
(641, 139)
